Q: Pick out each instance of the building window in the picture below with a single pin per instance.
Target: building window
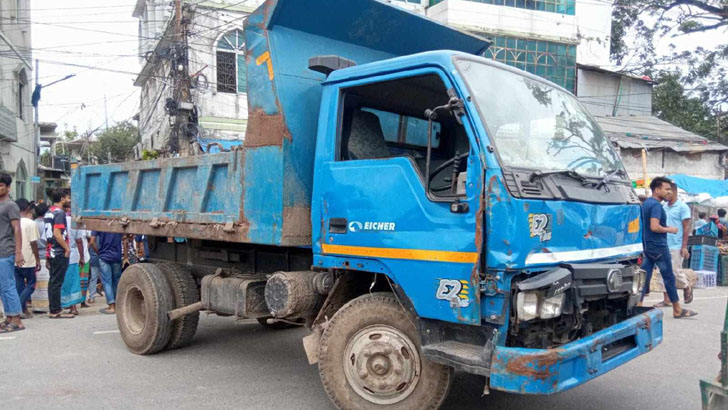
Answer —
(553, 6)
(230, 61)
(21, 180)
(22, 84)
(555, 62)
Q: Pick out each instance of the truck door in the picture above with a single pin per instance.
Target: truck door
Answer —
(373, 201)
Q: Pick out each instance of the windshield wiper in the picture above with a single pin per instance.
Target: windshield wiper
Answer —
(567, 172)
(607, 178)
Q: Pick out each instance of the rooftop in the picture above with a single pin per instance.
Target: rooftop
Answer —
(650, 132)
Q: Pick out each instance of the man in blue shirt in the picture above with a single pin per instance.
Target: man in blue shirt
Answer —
(108, 247)
(657, 252)
(679, 216)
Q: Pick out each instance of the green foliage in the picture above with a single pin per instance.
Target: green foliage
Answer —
(147, 155)
(670, 103)
(639, 25)
(116, 144)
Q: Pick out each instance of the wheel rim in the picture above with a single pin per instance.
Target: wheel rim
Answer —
(382, 364)
(135, 314)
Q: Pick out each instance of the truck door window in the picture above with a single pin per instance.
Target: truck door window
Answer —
(386, 119)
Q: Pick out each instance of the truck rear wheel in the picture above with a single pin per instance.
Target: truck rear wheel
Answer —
(184, 291)
(142, 301)
(369, 358)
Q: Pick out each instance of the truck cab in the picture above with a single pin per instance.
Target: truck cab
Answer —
(418, 207)
(506, 210)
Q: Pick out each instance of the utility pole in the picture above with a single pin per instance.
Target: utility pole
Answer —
(182, 93)
(36, 145)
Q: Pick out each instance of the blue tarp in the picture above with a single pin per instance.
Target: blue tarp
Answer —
(696, 186)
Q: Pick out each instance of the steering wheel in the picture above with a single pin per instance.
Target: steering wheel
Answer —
(445, 165)
(583, 161)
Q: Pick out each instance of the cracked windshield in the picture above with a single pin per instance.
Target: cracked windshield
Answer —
(535, 125)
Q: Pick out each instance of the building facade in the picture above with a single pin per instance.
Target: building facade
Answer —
(216, 65)
(544, 37)
(18, 146)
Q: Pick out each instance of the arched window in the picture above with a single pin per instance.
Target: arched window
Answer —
(230, 56)
(21, 180)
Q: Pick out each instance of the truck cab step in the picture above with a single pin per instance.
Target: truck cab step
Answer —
(463, 356)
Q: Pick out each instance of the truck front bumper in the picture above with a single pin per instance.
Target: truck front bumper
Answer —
(548, 371)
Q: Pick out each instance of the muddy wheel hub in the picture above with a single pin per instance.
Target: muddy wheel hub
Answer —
(382, 364)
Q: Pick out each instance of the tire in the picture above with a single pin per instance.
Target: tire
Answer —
(143, 299)
(276, 325)
(185, 292)
(374, 332)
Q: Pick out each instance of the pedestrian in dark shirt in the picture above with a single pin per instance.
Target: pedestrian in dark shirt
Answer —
(58, 251)
(108, 247)
(11, 254)
(657, 253)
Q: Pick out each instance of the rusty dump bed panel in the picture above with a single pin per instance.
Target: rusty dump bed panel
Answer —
(199, 197)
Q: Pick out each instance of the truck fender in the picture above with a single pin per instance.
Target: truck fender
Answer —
(348, 286)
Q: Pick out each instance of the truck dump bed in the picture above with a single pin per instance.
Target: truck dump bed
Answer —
(260, 192)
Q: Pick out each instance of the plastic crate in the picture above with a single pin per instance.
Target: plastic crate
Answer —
(704, 258)
(711, 229)
(702, 240)
(723, 271)
(706, 280)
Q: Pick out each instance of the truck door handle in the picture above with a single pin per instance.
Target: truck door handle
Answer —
(337, 225)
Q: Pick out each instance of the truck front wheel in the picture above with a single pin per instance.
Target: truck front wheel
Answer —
(369, 358)
(143, 299)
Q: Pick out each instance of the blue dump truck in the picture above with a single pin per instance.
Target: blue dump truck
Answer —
(421, 209)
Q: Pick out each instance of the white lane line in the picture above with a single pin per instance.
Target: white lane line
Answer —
(105, 332)
(7, 337)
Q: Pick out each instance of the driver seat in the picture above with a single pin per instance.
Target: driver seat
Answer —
(366, 139)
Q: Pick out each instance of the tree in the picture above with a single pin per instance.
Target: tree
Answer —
(650, 21)
(116, 144)
(671, 103)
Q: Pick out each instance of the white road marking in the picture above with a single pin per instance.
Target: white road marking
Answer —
(105, 332)
(7, 337)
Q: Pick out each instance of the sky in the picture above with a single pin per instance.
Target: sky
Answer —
(97, 33)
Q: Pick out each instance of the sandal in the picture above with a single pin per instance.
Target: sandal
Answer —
(688, 294)
(662, 304)
(4, 324)
(12, 327)
(685, 313)
(107, 311)
(61, 316)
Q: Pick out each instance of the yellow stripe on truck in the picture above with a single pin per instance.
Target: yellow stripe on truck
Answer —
(396, 253)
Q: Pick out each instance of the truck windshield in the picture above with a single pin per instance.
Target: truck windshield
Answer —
(535, 125)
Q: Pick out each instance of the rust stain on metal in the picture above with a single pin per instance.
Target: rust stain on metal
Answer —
(526, 205)
(239, 232)
(493, 187)
(534, 366)
(296, 226)
(266, 130)
(588, 235)
(545, 250)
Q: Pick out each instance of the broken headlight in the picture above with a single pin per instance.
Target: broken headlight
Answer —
(532, 305)
(543, 296)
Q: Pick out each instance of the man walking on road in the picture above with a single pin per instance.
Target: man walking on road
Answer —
(657, 252)
(108, 247)
(25, 275)
(678, 215)
(11, 253)
(58, 251)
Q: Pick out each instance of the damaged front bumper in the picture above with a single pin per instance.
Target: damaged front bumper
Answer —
(548, 371)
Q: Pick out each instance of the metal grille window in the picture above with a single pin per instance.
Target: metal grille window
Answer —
(230, 60)
(555, 62)
(553, 6)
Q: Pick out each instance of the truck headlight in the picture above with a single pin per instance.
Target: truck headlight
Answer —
(551, 307)
(638, 281)
(527, 306)
(532, 305)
